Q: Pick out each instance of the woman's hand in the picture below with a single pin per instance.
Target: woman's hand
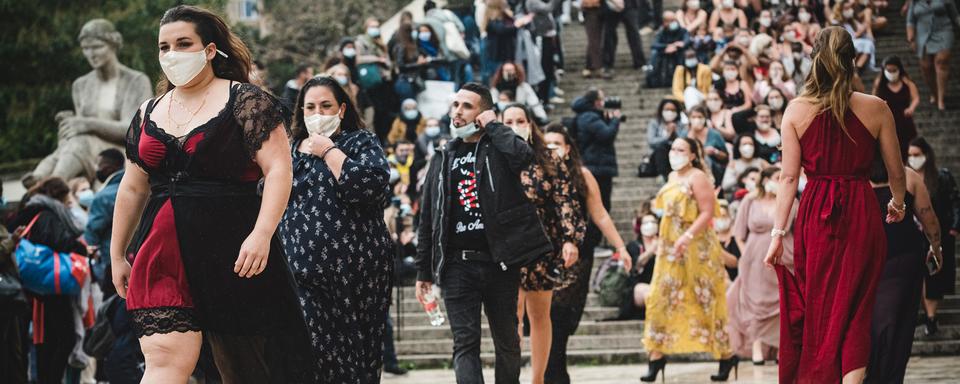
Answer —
(317, 144)
(935, 253)
(121, 276)
(253, 255)
(570, 254)
(895, 214)
(624, 257)
(422, 290)
(908, 112)
(774, 252)
(680, 246)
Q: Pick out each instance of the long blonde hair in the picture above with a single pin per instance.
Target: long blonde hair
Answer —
(830, 82)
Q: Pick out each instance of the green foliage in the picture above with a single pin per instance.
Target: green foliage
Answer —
(41, 57)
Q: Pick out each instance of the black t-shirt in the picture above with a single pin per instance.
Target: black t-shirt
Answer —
(466, 224)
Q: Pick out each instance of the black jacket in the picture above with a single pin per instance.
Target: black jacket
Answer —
(946, 201)
(596, 137)
(49, 230)
(513, 229)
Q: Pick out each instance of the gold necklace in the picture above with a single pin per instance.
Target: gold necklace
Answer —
(185, 109)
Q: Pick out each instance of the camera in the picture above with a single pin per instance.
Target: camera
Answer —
(614, 103)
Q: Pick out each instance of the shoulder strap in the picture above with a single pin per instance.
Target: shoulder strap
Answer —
(26, 230)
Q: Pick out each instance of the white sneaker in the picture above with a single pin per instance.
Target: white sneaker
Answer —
(565, 19)
(558, 91)
(557, 100)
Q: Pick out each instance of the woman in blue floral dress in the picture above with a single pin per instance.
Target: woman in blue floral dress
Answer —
(334, 235)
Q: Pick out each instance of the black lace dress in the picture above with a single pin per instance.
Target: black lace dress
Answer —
(203, 204)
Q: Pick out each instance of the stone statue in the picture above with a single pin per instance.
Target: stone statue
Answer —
(105, 101)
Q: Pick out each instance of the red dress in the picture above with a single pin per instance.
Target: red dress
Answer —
(827, 302)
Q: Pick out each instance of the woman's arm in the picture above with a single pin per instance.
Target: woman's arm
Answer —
(132, 195)
(923, 208)
(890, 152)
(598, 214)
(914, 97)
(704, 193)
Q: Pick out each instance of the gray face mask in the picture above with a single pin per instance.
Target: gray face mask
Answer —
(464, 131)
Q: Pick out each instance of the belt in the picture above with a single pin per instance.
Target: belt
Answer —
(837, 192)
(179, 186)
(470, 255)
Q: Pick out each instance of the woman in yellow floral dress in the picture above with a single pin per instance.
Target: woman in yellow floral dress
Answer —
(686, 309)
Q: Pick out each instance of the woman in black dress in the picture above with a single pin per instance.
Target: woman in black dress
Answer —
(334, 234)
(894, 313)
(205, 255)
(946, 204)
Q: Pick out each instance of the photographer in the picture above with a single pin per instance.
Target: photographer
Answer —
(596, 130)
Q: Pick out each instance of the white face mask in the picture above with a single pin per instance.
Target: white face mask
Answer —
(649, 229)
(714, 105)
(522, 130)
(425, 36)
(750, 185)
(432, 130)
(721, 225)
(916, 162)
(679, 161)
(693, 4)
(765, 21)
(691, 62)
(730, 75)
(771, 187)
(182, 67)
(464, 131)
(727, 4)
(698, 122)
(891, 76)
(848, 14)
(349, 52)
(342, 80)
(764, 126)
(746, 151)
(804, 17)
(373, 32)
(558, 149)
(323, 125)
(410, 114)
(669, 116)
(744, 41)
(775, 103)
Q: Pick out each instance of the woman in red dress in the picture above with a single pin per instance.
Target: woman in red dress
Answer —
(206, 261)
(826, 302)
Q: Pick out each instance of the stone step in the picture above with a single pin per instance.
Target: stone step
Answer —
(578, 343)
(419, 318)
(586, 328)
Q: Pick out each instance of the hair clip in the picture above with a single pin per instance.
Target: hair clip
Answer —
(223, 54)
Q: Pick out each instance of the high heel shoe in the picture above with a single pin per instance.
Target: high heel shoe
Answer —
(654, 367)
(725, 366)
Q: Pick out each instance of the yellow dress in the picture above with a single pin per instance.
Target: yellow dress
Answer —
(686, 309)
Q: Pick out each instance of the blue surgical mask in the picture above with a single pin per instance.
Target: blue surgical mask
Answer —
(464, 131)
(410, 114)
(85, 198)
(425, 36)
(373, 32)
(674, 26)
(432, 130)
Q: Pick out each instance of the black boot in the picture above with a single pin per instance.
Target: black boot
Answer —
(653, 369)
(930, 326)
(725, 366)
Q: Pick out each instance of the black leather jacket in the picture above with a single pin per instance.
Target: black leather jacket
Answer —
(514, 232)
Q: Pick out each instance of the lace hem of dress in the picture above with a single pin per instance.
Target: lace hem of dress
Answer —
(149, 321)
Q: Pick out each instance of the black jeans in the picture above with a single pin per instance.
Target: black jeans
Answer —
(651, 12)
(468, 285)
(123, 364)
(606, 189)
(631, 21)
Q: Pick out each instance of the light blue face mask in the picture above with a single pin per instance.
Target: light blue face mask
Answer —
(85, 198)
(464, 131)
(410, 114)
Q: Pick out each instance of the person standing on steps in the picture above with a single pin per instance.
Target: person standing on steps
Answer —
(568, 303)
(827, 301)
(592, 11)
(596, 132)
(207, 262)
(931, 31)
(900, 92)
(687, 309)
(477, 230)
(629, 16)
(946, 204)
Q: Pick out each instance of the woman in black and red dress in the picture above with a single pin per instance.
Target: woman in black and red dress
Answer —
(205, 257)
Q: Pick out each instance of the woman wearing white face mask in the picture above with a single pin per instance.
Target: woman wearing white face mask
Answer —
(733, 90)
(946, 204)
(727, 13)
(714, 147)
(334, 235)
(778, 104)
(775, 78)
(845, 15)
(663, 128)
(900, 92)
(753, 300)
(688, 247)
(548, 185)
(197, 156)
(766, 135)
(744, 157)
(691, 16)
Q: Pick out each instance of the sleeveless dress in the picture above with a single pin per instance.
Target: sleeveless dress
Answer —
(203, 204)
(687, 307)
(898, 295)
(898, 101)
(826, 304)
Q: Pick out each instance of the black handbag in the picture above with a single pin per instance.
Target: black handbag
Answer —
(99, 339)
(647, 167)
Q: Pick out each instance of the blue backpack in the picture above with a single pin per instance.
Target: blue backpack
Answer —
(46, 272)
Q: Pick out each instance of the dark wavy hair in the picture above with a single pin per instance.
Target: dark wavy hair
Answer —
(574, 160)
(697, 150)
(521, 75)
(351, 118)
(894, 61)
(212, 29)
(541, 154)
(675, 103)
(931, 173)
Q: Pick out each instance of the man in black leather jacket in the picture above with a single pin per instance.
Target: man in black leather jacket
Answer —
(477, 230)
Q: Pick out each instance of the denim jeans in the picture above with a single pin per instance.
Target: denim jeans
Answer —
(468, 285)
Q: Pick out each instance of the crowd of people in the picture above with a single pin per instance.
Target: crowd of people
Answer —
(244, 224)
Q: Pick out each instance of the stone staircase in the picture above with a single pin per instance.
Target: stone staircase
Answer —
(619, 342)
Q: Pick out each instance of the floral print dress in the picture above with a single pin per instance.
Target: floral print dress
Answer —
(342, 256)
(686, 309)
(563, 218)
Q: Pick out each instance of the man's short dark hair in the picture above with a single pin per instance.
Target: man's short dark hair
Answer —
(592, 96)
(302, 68)
(486, 99)
(114, 156)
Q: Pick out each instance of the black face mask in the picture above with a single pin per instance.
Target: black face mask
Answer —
(102, 175)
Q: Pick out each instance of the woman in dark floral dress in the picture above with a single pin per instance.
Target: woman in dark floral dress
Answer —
(205, 257)
(334, 234)
(549, 187)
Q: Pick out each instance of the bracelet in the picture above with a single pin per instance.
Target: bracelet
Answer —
(777, 232)
(326, 151)
(899, 208)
